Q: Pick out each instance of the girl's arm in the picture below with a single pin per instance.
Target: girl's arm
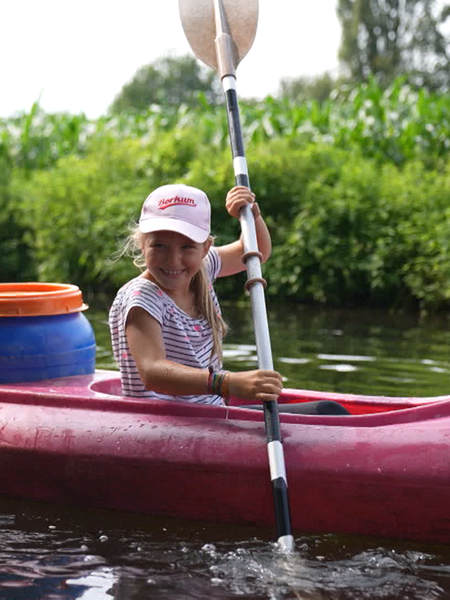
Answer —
(231, 254)
(158, 374)
(164, 376)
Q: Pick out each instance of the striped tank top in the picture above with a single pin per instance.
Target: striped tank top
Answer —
(187, 340)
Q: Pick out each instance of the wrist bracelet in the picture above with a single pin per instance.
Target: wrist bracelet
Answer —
(218, 384)
(210, 380)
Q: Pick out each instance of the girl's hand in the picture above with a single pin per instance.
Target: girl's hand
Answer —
(256, 385)
(238, 197)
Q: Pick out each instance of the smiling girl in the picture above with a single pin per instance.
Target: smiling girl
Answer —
(166, 324)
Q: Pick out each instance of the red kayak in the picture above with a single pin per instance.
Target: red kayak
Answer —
(384, 470)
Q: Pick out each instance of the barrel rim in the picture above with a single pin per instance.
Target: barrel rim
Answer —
(31, 299)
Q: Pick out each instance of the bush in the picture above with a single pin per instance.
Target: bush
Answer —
(80, 209)
(355, 192)
(15, 250)
(377, 235)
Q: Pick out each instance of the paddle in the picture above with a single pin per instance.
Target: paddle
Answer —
(220, 33)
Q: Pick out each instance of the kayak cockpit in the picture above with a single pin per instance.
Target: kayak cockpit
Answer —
(357, 405)
(101, 391)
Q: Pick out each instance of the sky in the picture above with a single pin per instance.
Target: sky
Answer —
(77, 55)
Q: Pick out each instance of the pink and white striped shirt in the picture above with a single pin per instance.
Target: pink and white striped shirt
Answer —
(187, 341)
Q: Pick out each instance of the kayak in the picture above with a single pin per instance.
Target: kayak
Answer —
(68, 435)
(384, 470)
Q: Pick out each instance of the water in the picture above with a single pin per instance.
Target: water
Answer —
(48, 552)
(52, 552)
(359, 352)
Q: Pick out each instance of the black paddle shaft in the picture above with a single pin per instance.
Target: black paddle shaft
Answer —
(271, 415)
(236, 139)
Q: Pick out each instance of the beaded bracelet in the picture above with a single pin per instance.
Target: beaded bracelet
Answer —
(210, 379)
(218, 383)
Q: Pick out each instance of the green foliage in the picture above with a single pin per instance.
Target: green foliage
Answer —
(396, 124)
(36, 140)
(170, 81)
(301, 89)
(422, 249)
(80, 209)
(366, 234)
(356, 192)
(390, 38)
(16, 253)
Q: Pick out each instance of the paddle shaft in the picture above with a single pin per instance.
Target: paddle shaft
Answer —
(259, 314)
(221, 32)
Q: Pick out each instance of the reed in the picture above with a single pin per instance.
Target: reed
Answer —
(395, 125)
(355, 191)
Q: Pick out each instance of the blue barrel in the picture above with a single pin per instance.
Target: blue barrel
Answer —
(44, 346)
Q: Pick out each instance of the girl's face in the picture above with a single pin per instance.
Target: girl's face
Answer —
(172, 259)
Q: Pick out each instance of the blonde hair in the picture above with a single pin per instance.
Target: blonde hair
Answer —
(200, 285)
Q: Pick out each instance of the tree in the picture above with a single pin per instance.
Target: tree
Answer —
(307, 88)
(169, 81)
(388, 38)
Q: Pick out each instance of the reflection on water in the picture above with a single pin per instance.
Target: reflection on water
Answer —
(355, 352)
(51, 553)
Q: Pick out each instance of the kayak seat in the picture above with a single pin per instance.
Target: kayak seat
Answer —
(321, 407)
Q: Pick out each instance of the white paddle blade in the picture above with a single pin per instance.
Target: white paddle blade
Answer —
(239, 21)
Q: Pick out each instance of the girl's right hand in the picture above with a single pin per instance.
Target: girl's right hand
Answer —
(259, 385)
(238, 197)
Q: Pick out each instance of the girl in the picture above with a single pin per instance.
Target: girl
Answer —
(166, 324)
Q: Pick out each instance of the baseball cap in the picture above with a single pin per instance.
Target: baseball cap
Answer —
(180, 208)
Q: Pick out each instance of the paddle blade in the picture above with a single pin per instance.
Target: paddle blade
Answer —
(239, 20)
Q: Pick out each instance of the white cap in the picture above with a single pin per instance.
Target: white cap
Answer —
(180, 208)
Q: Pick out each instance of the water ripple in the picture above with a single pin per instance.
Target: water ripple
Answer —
(105, 556)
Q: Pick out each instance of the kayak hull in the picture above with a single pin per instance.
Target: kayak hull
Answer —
(383, 471)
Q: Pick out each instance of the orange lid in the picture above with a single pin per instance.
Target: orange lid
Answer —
(39, 299)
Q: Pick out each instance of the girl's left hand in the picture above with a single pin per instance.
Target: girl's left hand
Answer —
(238, 197)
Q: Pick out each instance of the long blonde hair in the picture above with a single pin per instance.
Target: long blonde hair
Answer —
(200, 285)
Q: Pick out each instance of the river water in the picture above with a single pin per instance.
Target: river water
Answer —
(53, 552)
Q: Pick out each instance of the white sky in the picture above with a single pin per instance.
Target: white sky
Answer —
(78, 54)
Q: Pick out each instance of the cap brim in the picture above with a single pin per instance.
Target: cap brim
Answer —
(192, 232)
